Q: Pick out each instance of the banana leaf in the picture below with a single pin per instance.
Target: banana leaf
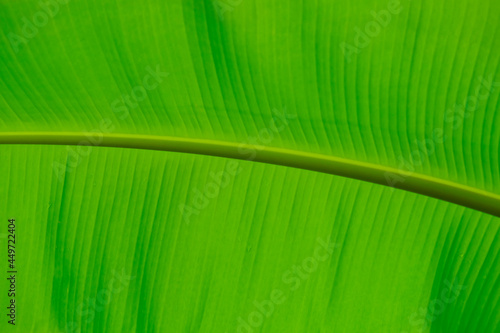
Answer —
(250, 166)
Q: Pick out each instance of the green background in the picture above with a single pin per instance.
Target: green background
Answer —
(118, 210)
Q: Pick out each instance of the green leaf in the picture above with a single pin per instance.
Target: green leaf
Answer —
(250, 166)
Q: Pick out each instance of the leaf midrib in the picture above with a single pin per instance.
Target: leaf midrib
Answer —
(463, 195)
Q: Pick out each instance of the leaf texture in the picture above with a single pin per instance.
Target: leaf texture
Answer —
(394, 251)
(132, 240)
